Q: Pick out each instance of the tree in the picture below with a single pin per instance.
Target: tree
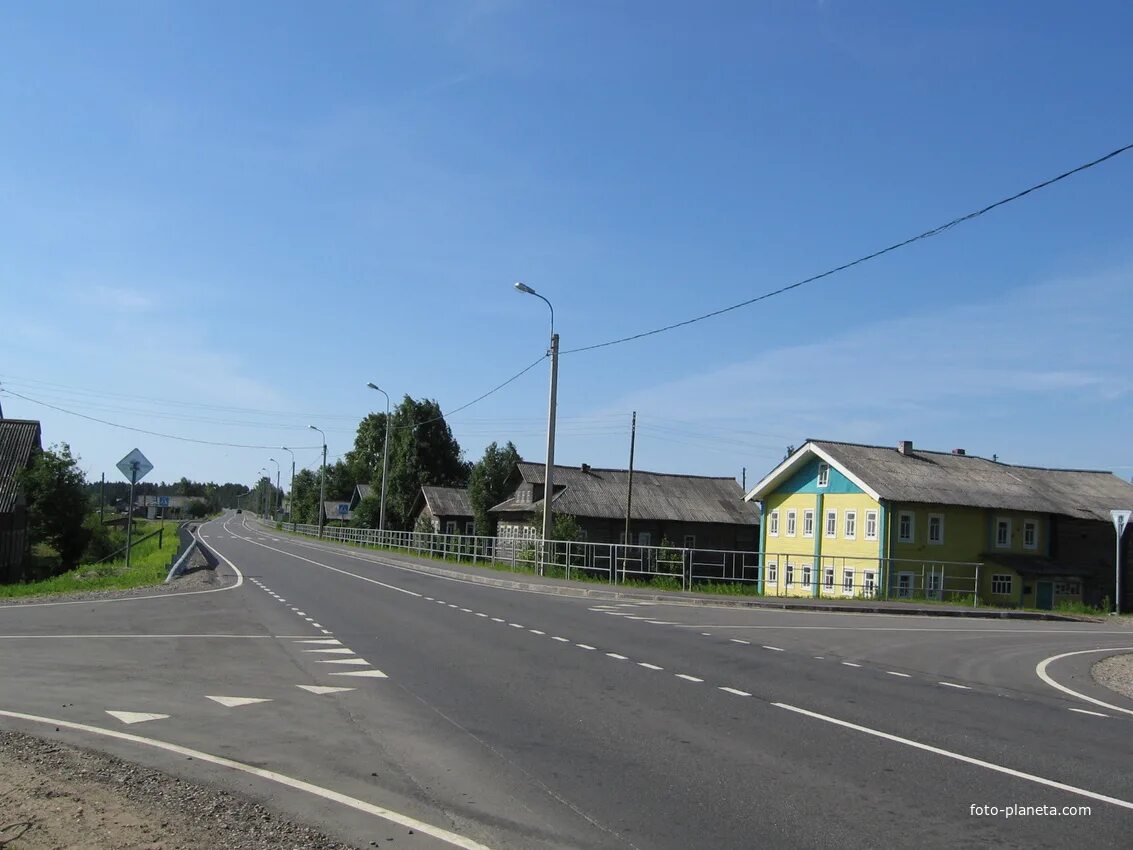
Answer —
(488, 484)
(54, 487)
(198, 510)
(365, 459)
(368, 513)
(564, 527)
(305, 496)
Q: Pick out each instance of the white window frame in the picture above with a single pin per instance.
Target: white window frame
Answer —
(828, 579)
(850, 528)
(808, 520)
(831, 529)
(808, 576)
(450, 526)
(939, 519)
(912, 535)
(871, 521)
(848, 581)
(1002, 522)
(772, 576)
(773, 523)
(790, 574)
(823, 474)
(1031, 525)
(645, 538)
(470, 527)
(792, 522)
(934, 585)
(690, 541)
(869, 583)
(1003, 579)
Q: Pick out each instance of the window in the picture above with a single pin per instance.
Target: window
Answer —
(583, 534)
(828, 579)
(1067, 588)
(871, 525)
(847, 582)
(450, 526)
(935, 585)
(831, 523)
(772, 572)
(790, 523)
(851, 524)
(773, 524)
(470, 527)
(790, 573)
(936, 529)
(1003, 533)
(905, 528)
(808, 523)
(690, 541)
(645, 538)
(869, 583)
(823, 474)
(1001, 584)
(807, 576)
(1030, 534)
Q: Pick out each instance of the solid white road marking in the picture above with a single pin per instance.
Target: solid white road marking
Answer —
(270, 775)
(616, 656)
(998, 768)
(371, 674)
(895, 673)
(649, 666)
(687, 677)
(129, 717)
(637, 618)
(584, 646)
(734, 691)
(772, 648)
(235, 702)
(1092, 713)
(660, 622)
(1040, 671)
(952, 685)
(354, 661)
(850, 664)
(324, 689)
(338, 650)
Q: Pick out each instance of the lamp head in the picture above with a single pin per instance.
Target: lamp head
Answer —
(373, 386)
(523, 287)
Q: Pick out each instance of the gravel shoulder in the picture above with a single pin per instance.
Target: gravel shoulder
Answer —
(1115, 673)
(56, 796)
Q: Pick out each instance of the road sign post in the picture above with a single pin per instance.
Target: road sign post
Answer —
(1120, 521)
(135, 467)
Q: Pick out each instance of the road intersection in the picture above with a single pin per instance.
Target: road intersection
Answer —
(491, 717)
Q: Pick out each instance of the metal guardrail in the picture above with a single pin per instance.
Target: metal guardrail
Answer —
(673, 567)
(188, 545)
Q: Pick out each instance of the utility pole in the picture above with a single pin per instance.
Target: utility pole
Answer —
(743, 478)
(102, 501)
(629, 489)
(322, 482)
(549, 485)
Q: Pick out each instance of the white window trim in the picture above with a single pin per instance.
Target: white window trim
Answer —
(450, 526)
(830, 514)
(1006, 521)
(808, 513)
(876, 522)
(790, 575)
(848, 531)
(823, 479)
(828, 579)
(792, 522)
(772, 576)
(808, 576)
(940, 517)
(690, 541)
(773, 523)
(912, 526)
(1031, 523)
(847, 573)
(1010, 584)
(869, 583)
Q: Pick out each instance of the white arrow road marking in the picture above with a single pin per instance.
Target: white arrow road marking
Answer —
(371, 674)
(135, 716)
(323, 689)
(235, 702)
(338, 650)
(355, 661)
(329, 641)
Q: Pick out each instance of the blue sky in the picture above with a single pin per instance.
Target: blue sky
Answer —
(221, 220)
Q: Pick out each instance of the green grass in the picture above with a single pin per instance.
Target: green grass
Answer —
(148, 565)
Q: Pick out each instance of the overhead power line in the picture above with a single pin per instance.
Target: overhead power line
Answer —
(935, 231)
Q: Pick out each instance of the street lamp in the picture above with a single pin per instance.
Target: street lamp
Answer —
(276, 462)
(291, 501)
(385, 461)
(322, 481)
(548, 476)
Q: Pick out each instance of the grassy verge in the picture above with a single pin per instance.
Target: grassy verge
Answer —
(148, 565)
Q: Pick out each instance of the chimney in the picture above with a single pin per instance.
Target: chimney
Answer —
(905, 447)
(586, 468)
(959, 452)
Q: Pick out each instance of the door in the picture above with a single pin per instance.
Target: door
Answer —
(1044, 595)
(905, 585)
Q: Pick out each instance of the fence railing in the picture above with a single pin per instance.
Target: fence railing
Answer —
(674, 567)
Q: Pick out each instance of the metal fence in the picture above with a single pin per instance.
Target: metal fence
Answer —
(674, 567)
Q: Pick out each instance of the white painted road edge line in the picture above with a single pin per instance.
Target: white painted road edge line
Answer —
(1091, 713)
(270, 775)
(953, 685)
(1040, 671)
(998, 768)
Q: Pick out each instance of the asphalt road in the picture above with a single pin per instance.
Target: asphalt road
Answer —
(520, 719)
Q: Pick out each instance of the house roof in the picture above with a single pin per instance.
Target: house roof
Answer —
(660, 496)
(960, 479)
(447, 501)
(363, 491)
(19, 440)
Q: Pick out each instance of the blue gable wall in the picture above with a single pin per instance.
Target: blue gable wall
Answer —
(805, 480)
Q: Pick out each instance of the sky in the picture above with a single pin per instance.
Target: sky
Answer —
(220, 221)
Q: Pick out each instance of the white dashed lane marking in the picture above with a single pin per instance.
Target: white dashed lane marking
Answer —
(734, 691)
(954, 685)
(649, 666)
(895, 673)
(687, 677)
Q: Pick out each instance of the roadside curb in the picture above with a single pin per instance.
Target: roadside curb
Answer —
(713, 602)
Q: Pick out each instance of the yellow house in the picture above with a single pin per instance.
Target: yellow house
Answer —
(850, 520)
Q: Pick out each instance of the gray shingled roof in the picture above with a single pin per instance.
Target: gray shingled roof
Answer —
(364, 491)
(948, 479)
(448, 501)
(19, 439)
(656, 496)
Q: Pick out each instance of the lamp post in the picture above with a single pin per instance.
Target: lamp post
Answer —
(291, 501)
(276, 462)
(322, 481)
(548, 476)
(385, 462)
